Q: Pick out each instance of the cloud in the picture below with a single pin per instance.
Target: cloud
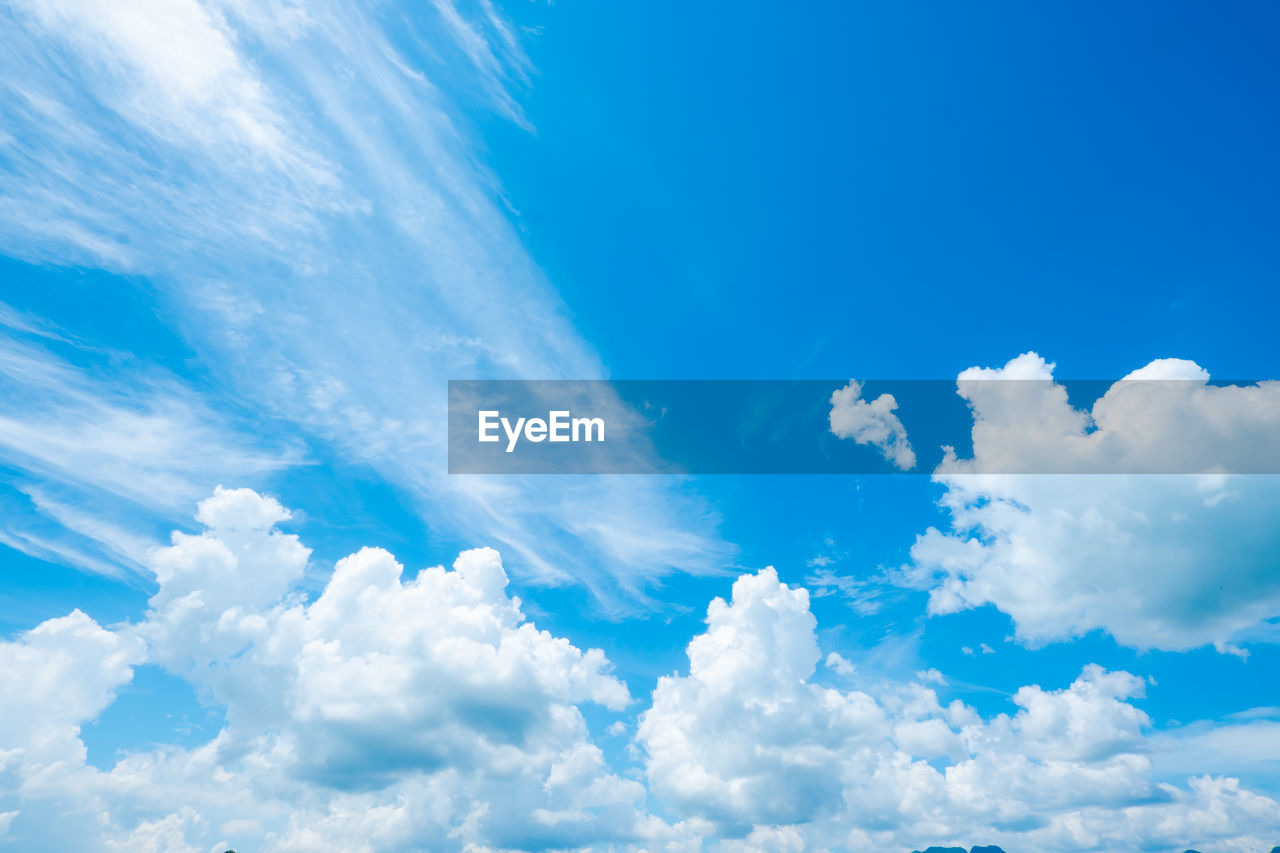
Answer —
(91, 448)
(1166, 562)
(393, 712)
(173, 68)
(871, 423)
(1090, 721)
(119, 92)
(387, 711)
(1249, 746)
(490, 44)
(839, 664)
(1162, 418)
(55, 677)
(863, 596)
(748, 741)
(375, 256)
(744, 738)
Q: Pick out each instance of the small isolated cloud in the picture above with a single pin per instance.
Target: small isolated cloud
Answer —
(931, 676)
(872, 423)
(839, 664)
(863, 595)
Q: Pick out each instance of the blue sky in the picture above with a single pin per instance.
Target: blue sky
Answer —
(246, 245)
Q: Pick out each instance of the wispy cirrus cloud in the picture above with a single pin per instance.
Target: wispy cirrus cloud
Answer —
(92, 448)
(299, 188)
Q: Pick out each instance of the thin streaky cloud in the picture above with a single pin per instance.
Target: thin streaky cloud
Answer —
(373, 255)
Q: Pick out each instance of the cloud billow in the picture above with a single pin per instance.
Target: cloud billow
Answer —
(1174, 561)
(392, 714)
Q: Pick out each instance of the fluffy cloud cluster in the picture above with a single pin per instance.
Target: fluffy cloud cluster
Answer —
(382, 714)
(1171, 561)
(53, 678)
(735, 741)
(871, 422)
(1162, 418)
(396, 714)
(749, 741)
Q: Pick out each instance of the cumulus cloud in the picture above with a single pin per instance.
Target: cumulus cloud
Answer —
(1162, 418)
(734, 741)
(54, 678)
(396, 713)
(748, 741)
(872, 423)
(1167, 562)
(387, 713)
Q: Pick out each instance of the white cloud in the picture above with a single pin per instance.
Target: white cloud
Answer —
(863, 595)
(92, 448)
(173, 68)
(143, 436)
(497, 56)
(1168, 562)
(386, 714)
(745, 738)
(374, 256)
(747, 741)
(1163, 418)
(871, 423)
(1250, 747)
(165, 835)
(55, 677)
(393, 713)
(1089, 721)
(839, 664)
